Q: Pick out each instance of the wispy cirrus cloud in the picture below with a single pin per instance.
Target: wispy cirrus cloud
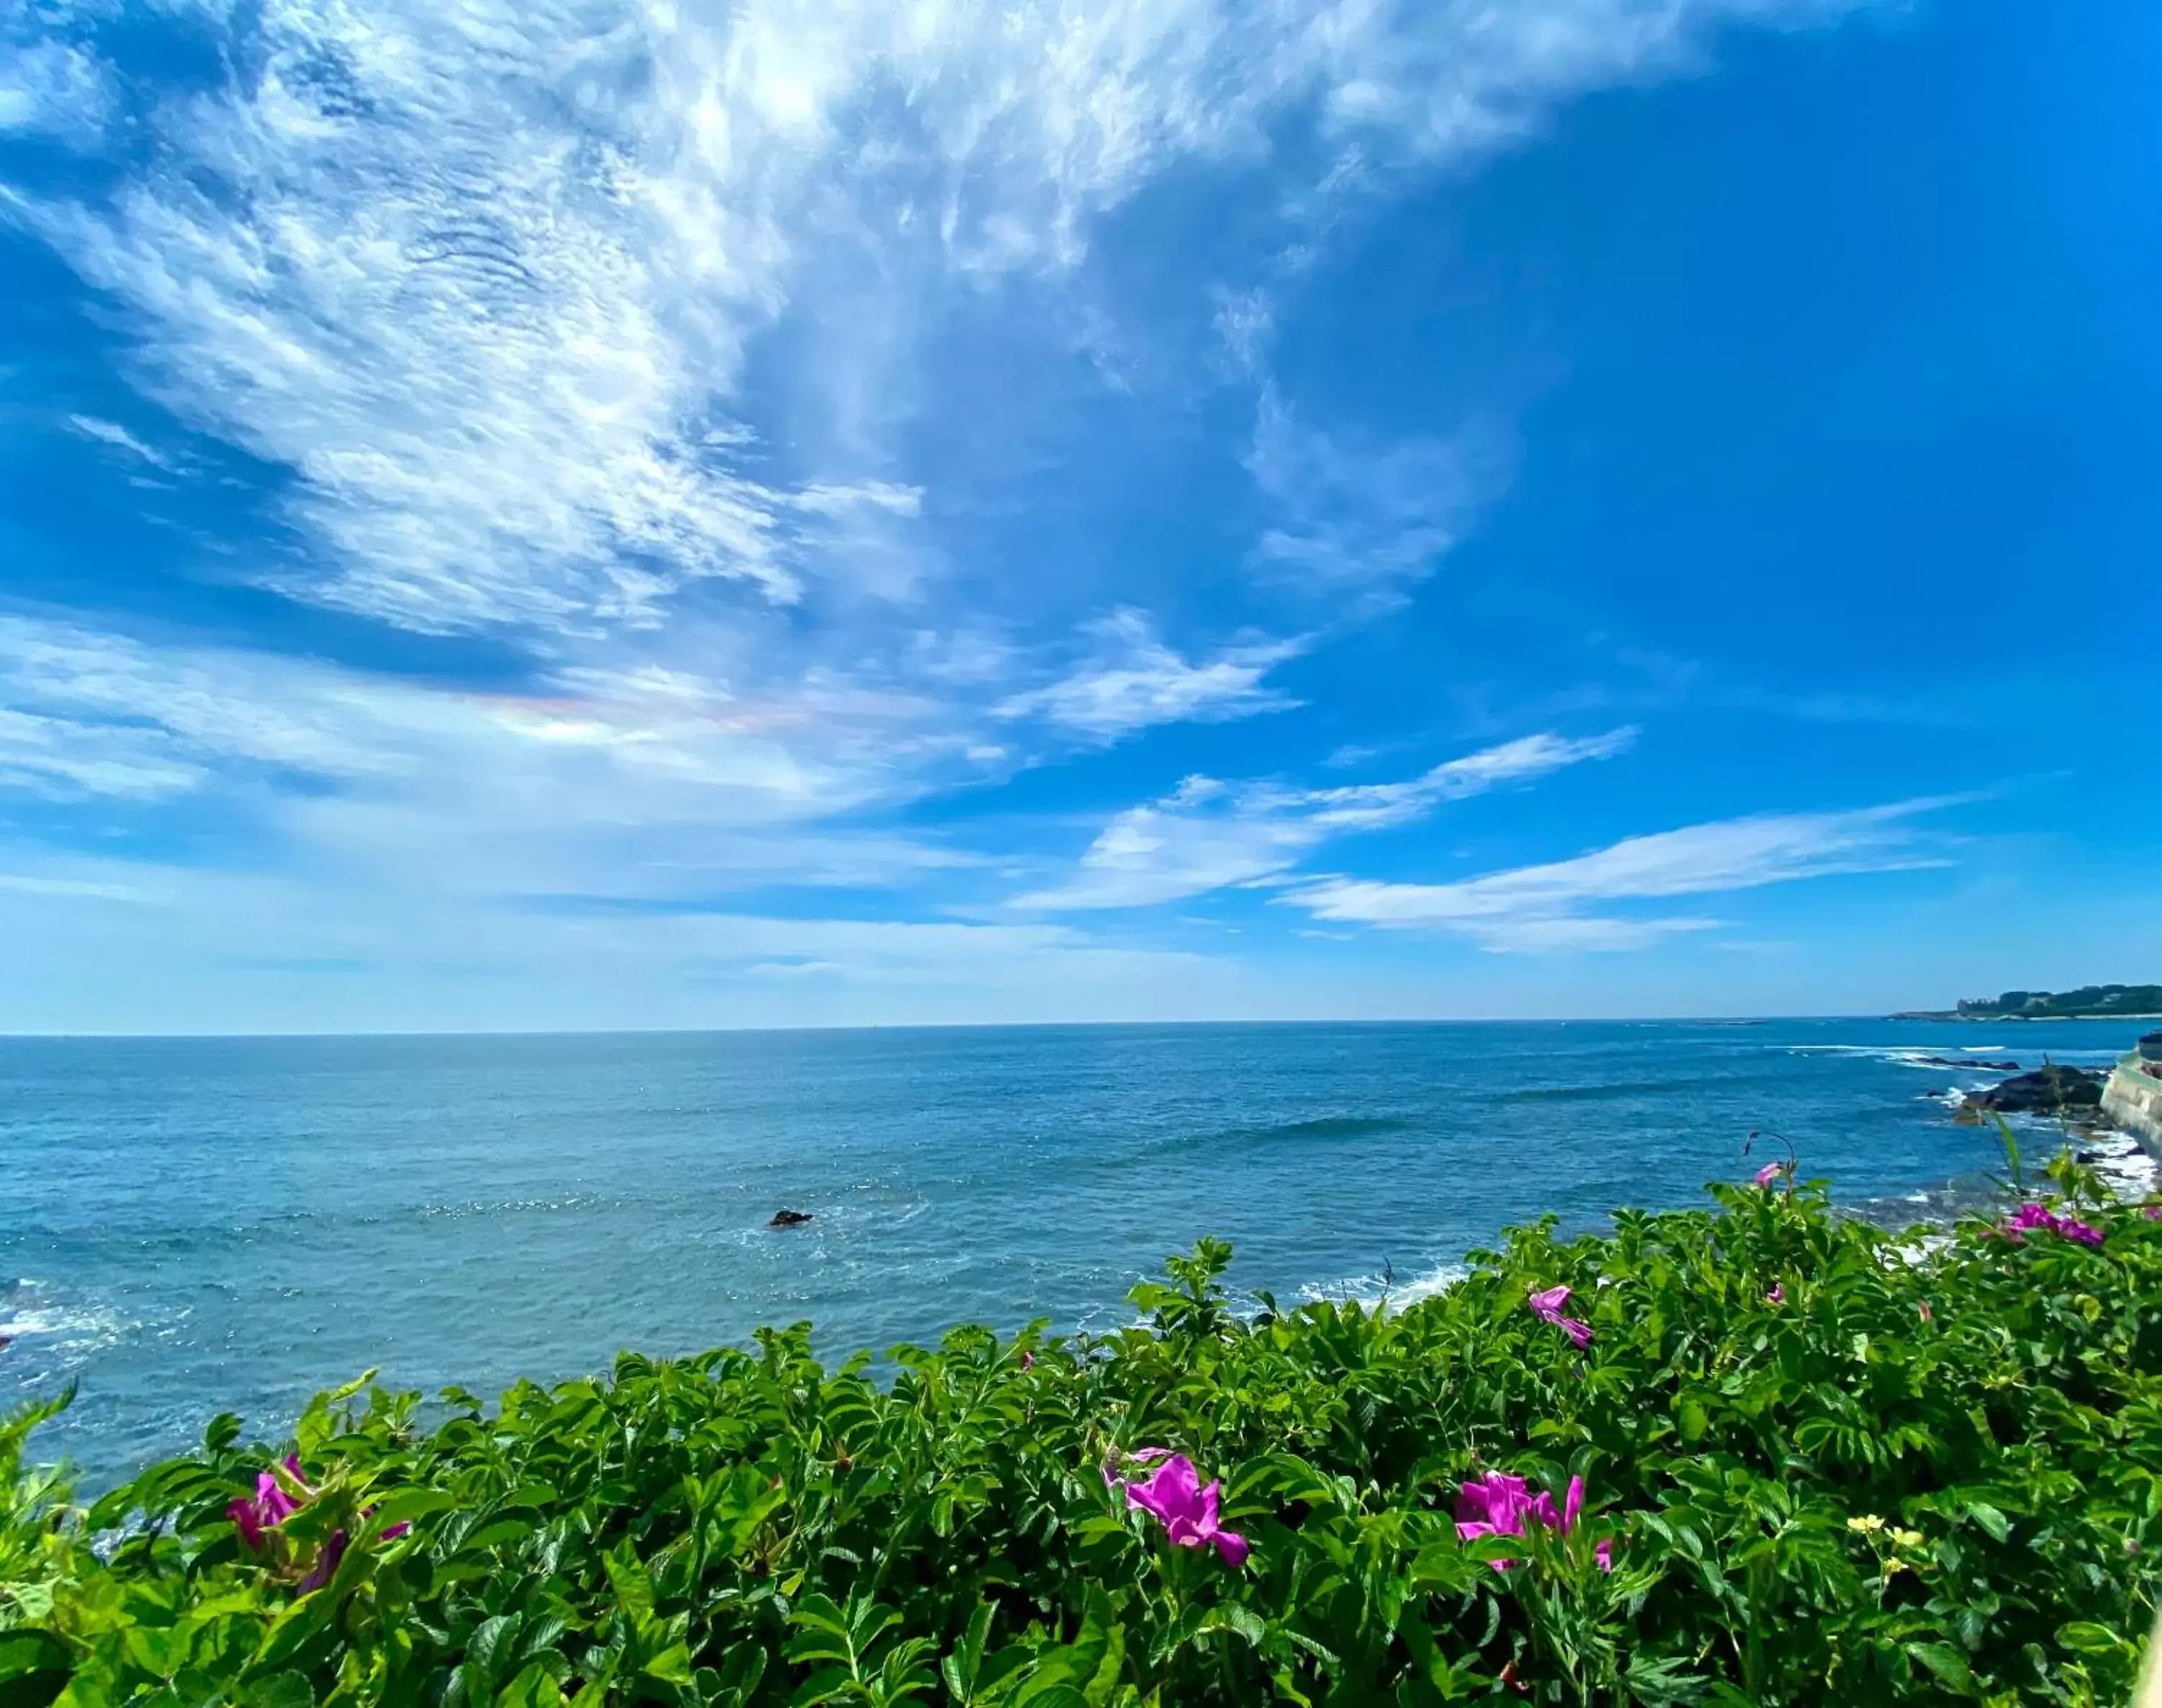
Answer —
(52, 89)
(1208, 835)
(488, 280)
(616, 333)
(586, 755)
(1556, 905)
(1132, 680)
(1353, 516)
(105, 432)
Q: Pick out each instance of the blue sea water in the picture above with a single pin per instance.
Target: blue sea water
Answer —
(195, 1225)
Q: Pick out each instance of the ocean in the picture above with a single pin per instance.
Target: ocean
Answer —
(195, 1225)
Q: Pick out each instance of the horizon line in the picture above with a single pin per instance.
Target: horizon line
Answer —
(1005, 1025)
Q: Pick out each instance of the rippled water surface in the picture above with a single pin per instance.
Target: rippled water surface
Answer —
(195, 1225)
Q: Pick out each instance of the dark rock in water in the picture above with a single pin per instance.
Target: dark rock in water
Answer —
(789, 1218)
(2149, 1048)
(2043, 1092)
(1968, 1062)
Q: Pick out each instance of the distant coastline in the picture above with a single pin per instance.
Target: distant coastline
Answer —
(1993, 1019)
(2140, 1002)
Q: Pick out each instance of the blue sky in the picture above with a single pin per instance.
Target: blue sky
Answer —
(604, 512)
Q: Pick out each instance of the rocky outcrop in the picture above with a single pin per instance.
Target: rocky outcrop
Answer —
(1967, 1062)
(2046, 1091)
(789, 1218)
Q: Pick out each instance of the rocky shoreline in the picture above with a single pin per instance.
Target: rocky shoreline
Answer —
(2124, 1159)
(2049, 1090)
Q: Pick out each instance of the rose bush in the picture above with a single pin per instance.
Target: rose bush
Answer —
(1789, 1458)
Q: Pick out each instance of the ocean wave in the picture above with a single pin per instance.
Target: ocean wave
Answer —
(1383, 1292)
(67, 1326)
(505, 1206)
(1928, 1060)
(1900, 1055)
(2124, 1166)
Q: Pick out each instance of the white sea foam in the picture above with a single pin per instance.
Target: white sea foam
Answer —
(1382, 1291)
(68, 1326)
(1913, 1251)
(73, 1330)
(2124, 1167)
(1899, 1055)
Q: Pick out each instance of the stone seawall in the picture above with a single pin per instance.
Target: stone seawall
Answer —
(2133, 1099)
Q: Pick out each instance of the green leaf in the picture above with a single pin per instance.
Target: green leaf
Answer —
(1949, 1665)
(633, 1586)
(671, 1666)
(30, 1651)
(405, 1505)
(279, 1690)
(961, 1668)
(1993, 1521)
(2082, 1636)
(830, 1685)
(535, 1687)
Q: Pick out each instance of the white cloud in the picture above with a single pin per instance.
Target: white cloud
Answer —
(1547, 907)
(1135, 680)
(69, 889)
(1209, 835)
(61, 760)
(638, 782)
(113, 434)
(488, 278)
(1377, 806)
(53, 89)
(599, 323)
(1245, 322)
(1354, 515)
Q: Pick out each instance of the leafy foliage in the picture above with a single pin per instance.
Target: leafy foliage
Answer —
(1831, 1467)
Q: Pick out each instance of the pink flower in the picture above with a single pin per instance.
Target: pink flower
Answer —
(326, 1562)
(1028, 1361)
(1777, 1296)
(2152, 1212)
(1547, 1307)
(2030, 1218)
(1498, 1504)
(1171, 1494)
(1769, 1172)
(270, 1508)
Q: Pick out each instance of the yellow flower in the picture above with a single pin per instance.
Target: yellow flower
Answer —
(1868, 1526)
(1907, 1539)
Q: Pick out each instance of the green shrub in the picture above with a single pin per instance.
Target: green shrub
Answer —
(1830, 1468)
